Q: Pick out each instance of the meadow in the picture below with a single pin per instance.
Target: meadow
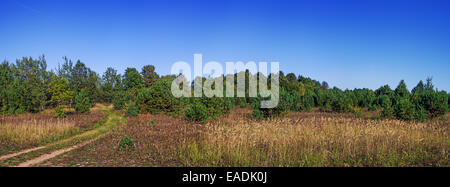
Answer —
(142, 123)
(313, 139)
(31, 130)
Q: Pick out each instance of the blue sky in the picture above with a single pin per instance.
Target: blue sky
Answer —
(349, 44)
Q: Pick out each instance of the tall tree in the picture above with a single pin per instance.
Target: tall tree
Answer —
(82, 102)
(33, 74)
(429, 85)
(384, 90)
(419, 88)
(111, 83)
(132, 79)
(401, 90)
(6, 78)
(324, 85)
(149, 75)
(291, 77)
(60, 91)
(79, 76)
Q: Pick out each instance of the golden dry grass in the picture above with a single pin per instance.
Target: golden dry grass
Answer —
(300, 139)
(319, 139)
(28, 130)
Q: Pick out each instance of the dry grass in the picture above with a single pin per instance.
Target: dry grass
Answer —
(318, 139)
(300, 139)
(28, 130)
(156, 139)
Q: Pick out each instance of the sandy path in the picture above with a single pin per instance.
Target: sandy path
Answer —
(4, 157)
(55, 153)
(45, 157)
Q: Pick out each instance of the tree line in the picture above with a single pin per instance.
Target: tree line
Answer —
(27, 86)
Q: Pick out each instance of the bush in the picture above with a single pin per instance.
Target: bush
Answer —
(215, 106)
(241, 102)
(227, 105)
(159, 98)
(372, 107)
(126, 144)
(387, 112)
(82, 102)
(286, 102)
(325, 108)
(356, 111)
(324, 100)
(364, 97)
(401, 91)
(257, 114)
(307, 102)
(436, 103)
(196, 113)
(404, 109)
(420, 114)
(119, 100)
(132, 110)
(341, 103)
(448, 102)
(386, 105)
(59, 111)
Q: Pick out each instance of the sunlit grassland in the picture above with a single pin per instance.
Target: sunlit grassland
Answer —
(29, 130)
(319, 141)
(298, 140)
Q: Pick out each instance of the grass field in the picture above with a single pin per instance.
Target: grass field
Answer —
(30, 130)
(300, 139)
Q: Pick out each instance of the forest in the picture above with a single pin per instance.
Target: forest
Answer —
(27, 86)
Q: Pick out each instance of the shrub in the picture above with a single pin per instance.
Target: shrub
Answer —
(324, 98)
(227, 105)
(364, 97)
(372, 107)
(293, 100)
(257, 114)
(384, 90)
(241, 102)
(387, 112)
(307, 102)
(196, 113)
(59, 111)
(215, 106)
(448, 102)
(401, 91)
(356, 111)
(119, 100)
(284, 105)
(126, 144)
(159, 98)
(404, 109)
(82, 102)
(132, 110)
(386, 105)
(341, 103)
(436, 103)
(325, 108)
(420, 114)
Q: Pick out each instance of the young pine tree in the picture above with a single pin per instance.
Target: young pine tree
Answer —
(82, 102)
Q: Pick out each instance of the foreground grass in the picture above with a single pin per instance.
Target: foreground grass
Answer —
(31, 130)
(301, 139)
(319, 141)
(94, 132)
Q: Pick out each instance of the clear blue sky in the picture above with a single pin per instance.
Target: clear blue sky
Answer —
(366, 43)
